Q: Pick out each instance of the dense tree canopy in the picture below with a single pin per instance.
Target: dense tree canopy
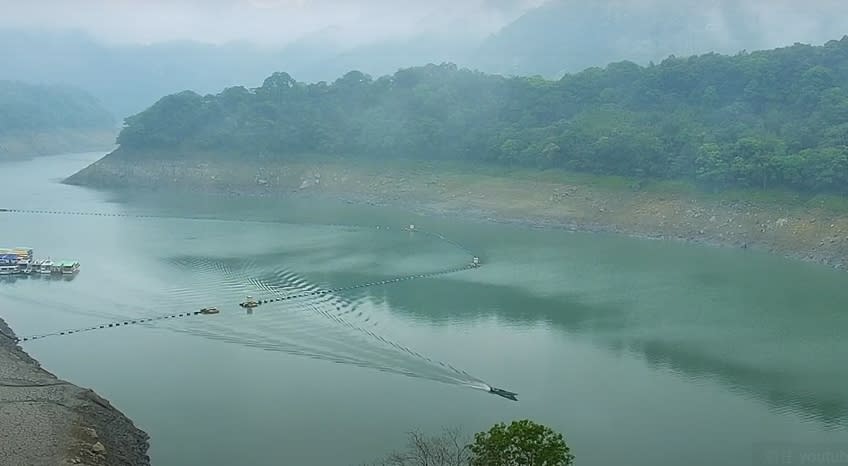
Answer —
(774, 118)
(521, 443)
(33, 108)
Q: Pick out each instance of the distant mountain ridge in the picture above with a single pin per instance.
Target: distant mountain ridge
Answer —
(39, 119)
(32, 107)
(558, 37)
(130, 78)
(570, 35)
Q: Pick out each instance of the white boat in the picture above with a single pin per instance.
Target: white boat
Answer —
(25, 266)
(8, 269)
(46, 267)
(69, 267)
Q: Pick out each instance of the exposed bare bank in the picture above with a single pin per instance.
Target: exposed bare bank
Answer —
(807, 232)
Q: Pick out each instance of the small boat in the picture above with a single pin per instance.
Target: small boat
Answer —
(7, 260)
(25, 266)
(504, 393)
(249, 303)
(23, 253)
(209, 310)
(8, 269)
(46, 267)
(69, 267)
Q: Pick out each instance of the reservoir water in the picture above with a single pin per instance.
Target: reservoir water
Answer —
(639, 352)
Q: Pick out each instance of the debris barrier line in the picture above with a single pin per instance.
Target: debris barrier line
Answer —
(411, 228)
(247, 304)
(316, 293)
(120, 323)
(473, 264)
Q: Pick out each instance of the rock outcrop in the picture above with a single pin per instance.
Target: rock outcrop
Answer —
(47, 421)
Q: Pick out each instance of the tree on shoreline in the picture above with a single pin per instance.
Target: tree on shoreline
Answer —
(450, 448)
(521, 443)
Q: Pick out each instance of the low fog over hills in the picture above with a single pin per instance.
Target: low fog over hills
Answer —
(570, 35)
(322, 39)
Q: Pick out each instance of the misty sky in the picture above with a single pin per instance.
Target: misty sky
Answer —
(349, 22)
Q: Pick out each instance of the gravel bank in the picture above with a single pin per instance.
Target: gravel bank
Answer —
(47, 421)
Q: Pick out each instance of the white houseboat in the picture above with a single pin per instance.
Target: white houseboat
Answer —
(46, 267)
(69, 267)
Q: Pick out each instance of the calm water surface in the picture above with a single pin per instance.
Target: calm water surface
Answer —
(640, 352)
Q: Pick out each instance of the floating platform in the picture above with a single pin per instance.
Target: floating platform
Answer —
(15, 261)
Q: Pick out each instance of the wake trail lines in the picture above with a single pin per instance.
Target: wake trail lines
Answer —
(342, 333)
(374, 337)
(290, 325)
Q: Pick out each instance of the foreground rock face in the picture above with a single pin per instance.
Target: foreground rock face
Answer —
(47, 421)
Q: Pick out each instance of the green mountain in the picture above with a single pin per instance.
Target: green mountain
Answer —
(28, 107)
(40, 119)
(775, 118)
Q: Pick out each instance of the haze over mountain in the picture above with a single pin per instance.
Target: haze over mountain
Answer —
(132, 56)
(45, 119)
(570, 35)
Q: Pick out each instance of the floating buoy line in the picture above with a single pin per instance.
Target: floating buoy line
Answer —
(276, 295)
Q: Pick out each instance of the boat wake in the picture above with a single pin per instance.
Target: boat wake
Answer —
(297, 316)
(326, 326)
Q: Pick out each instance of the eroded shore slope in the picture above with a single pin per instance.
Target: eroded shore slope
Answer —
(813, 229)
(47, 421)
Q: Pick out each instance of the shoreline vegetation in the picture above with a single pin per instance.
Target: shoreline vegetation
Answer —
(808, 227)
(716, 121)
(46, 420)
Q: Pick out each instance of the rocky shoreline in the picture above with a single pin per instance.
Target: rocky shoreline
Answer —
(48, 421)
(804, 231)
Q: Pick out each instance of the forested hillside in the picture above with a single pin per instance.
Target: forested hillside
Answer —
(774, 118)
(40, 120)
(27, 107)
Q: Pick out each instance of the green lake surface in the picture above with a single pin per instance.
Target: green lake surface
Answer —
(640, 352)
